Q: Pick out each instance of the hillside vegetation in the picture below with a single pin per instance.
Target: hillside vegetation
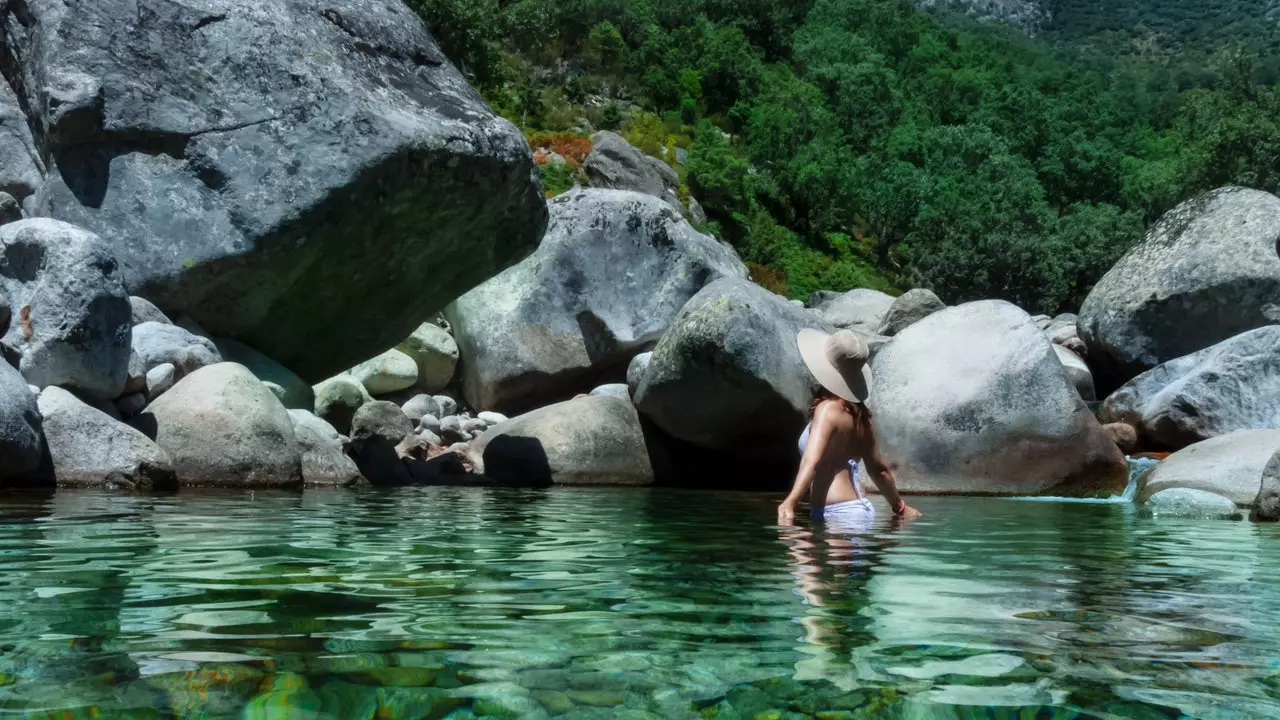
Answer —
(844, 143)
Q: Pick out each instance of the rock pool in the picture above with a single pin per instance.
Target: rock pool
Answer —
(627, 603)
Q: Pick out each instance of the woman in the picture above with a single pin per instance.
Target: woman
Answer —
(839, 435)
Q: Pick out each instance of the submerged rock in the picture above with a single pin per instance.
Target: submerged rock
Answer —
(221, 427)
(728, 375)
(1229, 465)
(1189, 502)
(999, 416)
(613, 270)
(588, 441)
(91, 449)
(1207, 271)
(1231, 386)
(907, 309)
(71, 316)
(284, 158)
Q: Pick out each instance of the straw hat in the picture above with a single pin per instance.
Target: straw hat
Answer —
(838, 361)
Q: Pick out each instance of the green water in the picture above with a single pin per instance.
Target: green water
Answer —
(625, 603)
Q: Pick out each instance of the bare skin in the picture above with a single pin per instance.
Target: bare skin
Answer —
(824, 476)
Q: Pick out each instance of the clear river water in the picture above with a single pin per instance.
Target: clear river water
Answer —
(625, 603)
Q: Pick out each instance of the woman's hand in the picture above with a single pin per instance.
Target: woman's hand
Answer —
(908, 512)
(786, 513)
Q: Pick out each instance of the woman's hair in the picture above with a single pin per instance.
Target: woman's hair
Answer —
(859, 411)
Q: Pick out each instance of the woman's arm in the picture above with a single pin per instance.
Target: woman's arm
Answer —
(819, 435)
(882, 476)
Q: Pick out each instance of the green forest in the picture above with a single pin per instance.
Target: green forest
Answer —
(864, 143)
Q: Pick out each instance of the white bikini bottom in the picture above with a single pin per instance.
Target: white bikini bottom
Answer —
(850, 515)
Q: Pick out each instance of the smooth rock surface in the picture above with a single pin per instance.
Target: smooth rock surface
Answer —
(324, 459)
(636, 369)
(22, 446)
(71, 314)
(907, 309)
(419, 406)
(389, 372)
(142, 310)
(1077, 372)
(21, 168)
(1233, 385)
(435, 352)
(1266, 507)
(617, 390)
(260, 165)
(159, 343)
(376, 430)
(728, 375)
(222, 428)
(613, 270)
(1229, 465)
(860, 309)
(587, 441)
(338, 399)
(10, 210)
(973, 399)
(294, 392)
(1207, 271)
(1190, 503)
(614, 164)
(160, 379)
(90, 449)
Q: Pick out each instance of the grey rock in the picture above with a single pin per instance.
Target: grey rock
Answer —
(1077, 372)
(1266, 507)
(474, 426)
(285, 157)
(452, 430)
(1190, 503)
(613, 270)
(909, 308)
(636, 369)
(6, 313)
(682, 156)
(1062, 333)
(587, 441)
(142, 311)
(22, 445)
(1207, 271)
(420, 406)
(10, 210)
(860, 309)
(973, 399)
(429, 423)
(324, 458)
(460, 448)
(21, 169)
(1227, 387)
(1124, 435)
(72, 314)
(820, 299)
(436, 354)
(160, 379)
(694, 212)
(492, 418)
(137, 379)
(431, 437)
(615, 165)
(389, 372)
(1229, 465)
(617, 390)
(1042, 321)
(445, 405)
(159, 343)
(338, 399)
(727, 375)
(376, 430)
(131, 404)
(91, 449)
(222, 428)
(294, 392)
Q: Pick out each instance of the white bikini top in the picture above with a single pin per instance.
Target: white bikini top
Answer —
(855, 469)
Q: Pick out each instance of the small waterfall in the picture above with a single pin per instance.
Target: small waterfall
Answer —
(1137, 466)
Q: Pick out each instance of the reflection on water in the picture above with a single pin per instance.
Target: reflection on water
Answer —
(625, 603)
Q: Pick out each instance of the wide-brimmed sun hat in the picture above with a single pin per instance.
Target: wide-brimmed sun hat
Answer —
(838, 361)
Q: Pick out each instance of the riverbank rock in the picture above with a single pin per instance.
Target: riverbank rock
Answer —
(1231, 386)
(10, 210)
(1077, 372)
(1266, 507)
(142, 310)
(613, 270)
(436, 354)
(324, 457)
(284, 159)
(22, 445)
(907, 309)
(1229, 465)
(389, 372)
(1190, 503)
(221, 427)
(71, 316)
(614, 164)
(728, 375)
(588, 441)
(294, 392)
(21, 168)
(338, 399)
(859, 309)
(999, 416)
(636, 369)
(1207, 271)
(158, 343)
(1124, 435)
(90, 449)
(376, 430)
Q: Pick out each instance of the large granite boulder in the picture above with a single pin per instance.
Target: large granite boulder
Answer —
(221, 427)
(1234, 385)
(728, 375)
(1207, 271)
(1077, 371)
(614, 164)
(157, 344)
(907, 309)
(435, 352)
(91, 449)
(861, 309)
(586, 441)
(22, 445)
(21, 169)
(613, 270)
(973, 399)
(71, 316)
(1266, 507)
(292, 390)
(1228, 465)
(286, 172)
